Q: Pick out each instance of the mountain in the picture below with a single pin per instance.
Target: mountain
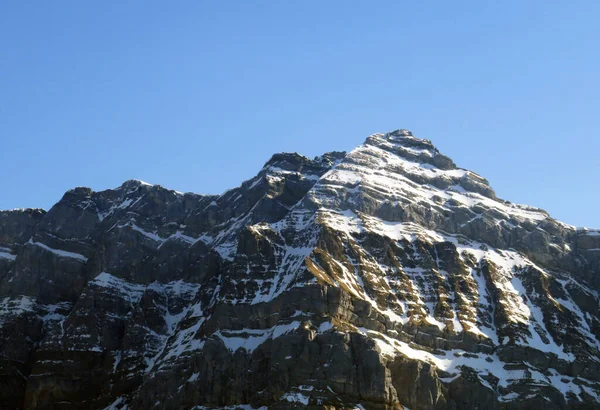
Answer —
(382, 278)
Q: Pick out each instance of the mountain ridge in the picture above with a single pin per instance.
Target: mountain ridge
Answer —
(334, 281)
(398, 132)
(403, 132)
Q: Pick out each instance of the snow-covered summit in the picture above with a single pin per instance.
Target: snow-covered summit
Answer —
(130, 183)
(378, 278)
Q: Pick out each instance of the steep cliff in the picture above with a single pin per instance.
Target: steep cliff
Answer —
(379, 278)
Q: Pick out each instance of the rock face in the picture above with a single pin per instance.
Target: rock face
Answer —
(377, 279)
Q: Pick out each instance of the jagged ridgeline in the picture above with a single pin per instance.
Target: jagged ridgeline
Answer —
(382, 278)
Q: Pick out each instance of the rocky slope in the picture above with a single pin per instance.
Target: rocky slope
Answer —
(381, 278)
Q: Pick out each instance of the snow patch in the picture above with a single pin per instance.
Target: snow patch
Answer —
(250, 339)
(59, 252)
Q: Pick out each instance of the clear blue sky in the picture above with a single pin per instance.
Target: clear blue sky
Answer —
(197, 95)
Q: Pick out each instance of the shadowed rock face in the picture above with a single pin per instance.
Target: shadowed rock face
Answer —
(380, 278)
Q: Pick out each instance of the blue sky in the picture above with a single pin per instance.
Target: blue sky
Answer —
(197, 95)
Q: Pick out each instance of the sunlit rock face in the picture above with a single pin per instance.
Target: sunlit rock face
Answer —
(382, 278)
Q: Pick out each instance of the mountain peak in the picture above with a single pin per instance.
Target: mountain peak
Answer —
(402, 132)
(405, 145)
(406, 138)
(376, 262)
(135, 183)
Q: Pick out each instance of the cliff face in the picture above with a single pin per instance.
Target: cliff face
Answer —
(380, 278)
